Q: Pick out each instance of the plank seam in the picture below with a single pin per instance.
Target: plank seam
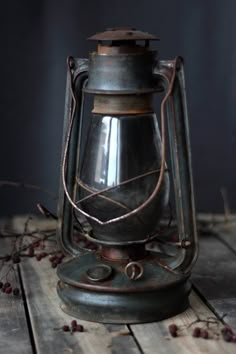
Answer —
(221, 239)
(27, 314)
(208, 304)
(135, 339)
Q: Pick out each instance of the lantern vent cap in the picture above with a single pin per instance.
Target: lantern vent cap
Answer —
(122, 34)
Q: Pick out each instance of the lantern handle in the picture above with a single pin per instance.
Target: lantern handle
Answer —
(77, 74)
(180, 152)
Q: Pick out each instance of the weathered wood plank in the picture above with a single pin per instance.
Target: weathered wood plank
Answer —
(227, 234)
(214, 272)
(155, 338)
(124, 345)
(14, 333)
(225, 228)
(45, 313)
(226, 307)
(214, 276)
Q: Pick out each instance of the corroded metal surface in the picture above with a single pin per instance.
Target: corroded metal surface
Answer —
(128, 74)
(122, 34)
(122, 183)
(157, 294)
(155, 275)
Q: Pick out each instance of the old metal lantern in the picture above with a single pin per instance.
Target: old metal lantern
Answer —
(121, 179)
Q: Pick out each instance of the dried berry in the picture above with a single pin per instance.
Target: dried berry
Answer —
(36, 244)
(44, 254)
(204, 334)
(7, 284)
(227, 336)
(234, 338)
(173, 330)
(8, 290)
(54, 264)
(16, 291)
(52, 258)
(31, 252)
(16, 259)
(38, 257)
(196, 332)
(79, 328)
(7, 258)
(227, 329)
(66, 328)
(1, 284)
(73, 323)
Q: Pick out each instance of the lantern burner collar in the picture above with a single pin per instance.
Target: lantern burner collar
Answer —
(123, 34)
(121, 65)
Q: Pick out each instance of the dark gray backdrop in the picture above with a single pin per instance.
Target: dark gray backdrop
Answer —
(36, 38)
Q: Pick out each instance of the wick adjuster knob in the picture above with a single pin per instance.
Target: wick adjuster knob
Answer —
(99, 273)
(134, 270)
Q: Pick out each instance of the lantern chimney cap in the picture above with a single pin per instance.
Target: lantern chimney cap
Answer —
(122, 34)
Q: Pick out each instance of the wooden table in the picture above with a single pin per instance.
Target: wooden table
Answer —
(28, 322)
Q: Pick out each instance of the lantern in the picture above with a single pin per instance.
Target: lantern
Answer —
(116, 175)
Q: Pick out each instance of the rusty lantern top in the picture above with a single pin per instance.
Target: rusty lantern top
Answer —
(122, 34)
(121, 65)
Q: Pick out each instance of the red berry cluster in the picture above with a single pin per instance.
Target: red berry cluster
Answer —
(41, 255)
(31, 250)
(228, 334)
(199, 332)
(74, 327)
(56, 259)
(83, 243)
(7, 288)
(15, 258)
(173, 330)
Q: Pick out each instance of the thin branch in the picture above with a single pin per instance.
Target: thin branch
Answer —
(227, 210)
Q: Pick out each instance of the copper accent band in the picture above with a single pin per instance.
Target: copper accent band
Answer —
(123, 104)
(134, 252)
(115, 50)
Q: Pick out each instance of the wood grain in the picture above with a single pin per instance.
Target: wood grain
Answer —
(14, 334)
(45, 313)
(155, 338)
(214, 276)
(227, 234)
(214, 272)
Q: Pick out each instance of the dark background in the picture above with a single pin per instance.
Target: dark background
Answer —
(36, 38)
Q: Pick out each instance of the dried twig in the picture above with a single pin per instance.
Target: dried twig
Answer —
(227, 210)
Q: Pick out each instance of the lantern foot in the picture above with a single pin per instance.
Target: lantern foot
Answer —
(159, 294)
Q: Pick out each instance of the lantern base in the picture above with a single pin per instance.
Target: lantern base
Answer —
(159, 294)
